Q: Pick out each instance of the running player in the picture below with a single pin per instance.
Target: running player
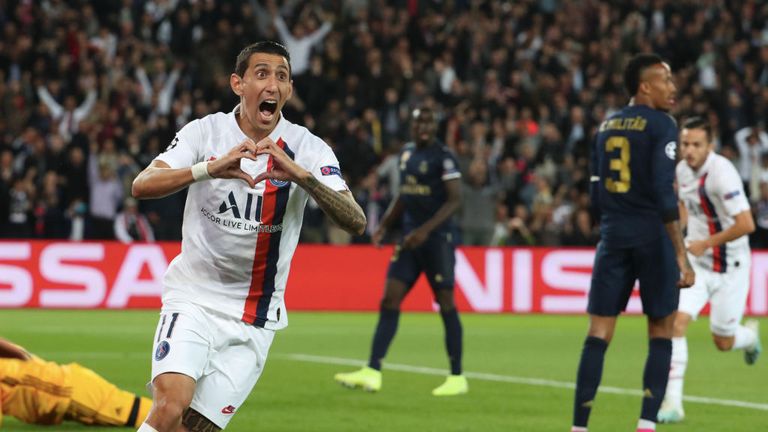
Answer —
(719, 221)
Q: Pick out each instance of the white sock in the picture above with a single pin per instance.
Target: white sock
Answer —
(146, 428)
(677, 370)
(578, 429)
(643, 424)
(744, 338)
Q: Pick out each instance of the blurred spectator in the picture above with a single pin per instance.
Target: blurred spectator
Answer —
(579, 230)
(302, 37)
(752, 142)
(106, 197)
(20, 209)
(759, 239)
(478, 206)
(70, 115)
(132, 226)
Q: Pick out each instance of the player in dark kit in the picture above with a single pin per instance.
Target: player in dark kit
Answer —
(429, 195)
(633, 191)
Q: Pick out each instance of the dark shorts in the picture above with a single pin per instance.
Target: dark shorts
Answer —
(435, 258)
(616, 269)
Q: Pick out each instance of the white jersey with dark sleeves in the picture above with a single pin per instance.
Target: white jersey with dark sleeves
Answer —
(237, 242)
(713, 195)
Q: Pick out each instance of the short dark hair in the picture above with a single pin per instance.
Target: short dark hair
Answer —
(268, 47)
(635, 68)
(698, 123)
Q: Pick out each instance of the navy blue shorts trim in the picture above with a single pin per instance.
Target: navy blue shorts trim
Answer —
(616, 269)
(435, 258)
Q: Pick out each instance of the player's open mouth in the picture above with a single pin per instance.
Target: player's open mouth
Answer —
(267, 109)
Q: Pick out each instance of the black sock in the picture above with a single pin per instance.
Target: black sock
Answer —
(655, 376)
(588, 378)
(385, 332)
(453, 334)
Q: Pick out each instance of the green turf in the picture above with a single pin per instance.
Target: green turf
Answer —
(300, 395)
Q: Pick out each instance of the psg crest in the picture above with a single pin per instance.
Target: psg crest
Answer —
(163, 348)
(278, 183)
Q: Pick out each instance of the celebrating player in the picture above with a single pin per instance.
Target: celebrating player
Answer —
(429, 196)
(632, 189)
(250, 173)
(719, 220)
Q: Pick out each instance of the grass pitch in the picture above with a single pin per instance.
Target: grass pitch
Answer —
(521, 371)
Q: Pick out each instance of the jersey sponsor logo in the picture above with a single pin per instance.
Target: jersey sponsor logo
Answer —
(733, 194)
(163, 348)
(671, 150)
(229, 409)
(230, 205)
(279, 183)
(330, 170)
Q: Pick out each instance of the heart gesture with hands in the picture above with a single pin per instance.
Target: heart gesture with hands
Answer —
(283, 167)
(228, 166)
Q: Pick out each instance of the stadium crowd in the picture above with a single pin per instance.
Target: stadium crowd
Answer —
(91, 92)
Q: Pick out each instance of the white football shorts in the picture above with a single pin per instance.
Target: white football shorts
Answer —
(725, 292)
(223, 355)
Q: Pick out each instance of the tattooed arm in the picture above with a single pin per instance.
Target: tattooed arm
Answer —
(339, 206)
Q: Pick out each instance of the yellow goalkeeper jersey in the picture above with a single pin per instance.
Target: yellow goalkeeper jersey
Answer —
(46, 393)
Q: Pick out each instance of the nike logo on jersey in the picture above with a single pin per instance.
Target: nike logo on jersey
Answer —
(229, 409)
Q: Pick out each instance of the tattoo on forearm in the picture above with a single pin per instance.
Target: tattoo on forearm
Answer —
(196, 422)
(344, 212)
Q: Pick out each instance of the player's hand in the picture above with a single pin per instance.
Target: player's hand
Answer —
(687, 276)
(283, 167)
(228, 166)
(415, 238)
(378, 236)
(698, 247)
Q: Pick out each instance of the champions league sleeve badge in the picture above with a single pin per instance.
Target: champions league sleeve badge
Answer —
(671, 150)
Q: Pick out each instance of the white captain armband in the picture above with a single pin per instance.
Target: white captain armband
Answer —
(594, 179)
(200, 171)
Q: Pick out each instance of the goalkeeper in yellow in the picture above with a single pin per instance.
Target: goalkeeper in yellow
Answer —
(46, 393)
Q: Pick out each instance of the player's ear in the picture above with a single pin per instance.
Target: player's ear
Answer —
(236, 83)
(644, 87)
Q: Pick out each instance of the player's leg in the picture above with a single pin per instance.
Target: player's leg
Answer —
(239, 353)
(658, 275)
(401, 275)
(181, 354)
(96, 401)
(171, 393)
(692, 301)
(612, 281)
(728, 303)
(395, 291)
(439, 257)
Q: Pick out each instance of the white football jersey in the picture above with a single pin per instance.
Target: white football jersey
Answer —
(713, 195)
(237, 242)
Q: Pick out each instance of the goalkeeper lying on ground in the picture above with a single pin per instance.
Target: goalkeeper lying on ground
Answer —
(46, 393)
